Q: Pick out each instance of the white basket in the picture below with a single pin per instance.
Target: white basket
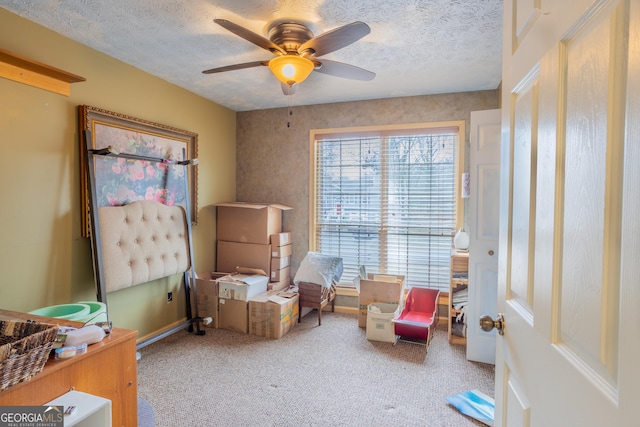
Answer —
(380, 325)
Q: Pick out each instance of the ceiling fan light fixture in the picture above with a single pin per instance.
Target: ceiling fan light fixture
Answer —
(291, 69)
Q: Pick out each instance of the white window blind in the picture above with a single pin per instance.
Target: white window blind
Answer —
(388, 200)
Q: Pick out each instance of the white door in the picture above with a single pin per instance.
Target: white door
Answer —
(569, 267)
(484, 168)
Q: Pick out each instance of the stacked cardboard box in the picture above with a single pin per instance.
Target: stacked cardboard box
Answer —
(381, 288)
(234, 293)
(223, 297)
(207, 297)
(273, 314)
(281, 251)
(244, 233)
(231, 255)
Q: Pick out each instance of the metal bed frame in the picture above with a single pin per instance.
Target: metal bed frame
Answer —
(189, 281)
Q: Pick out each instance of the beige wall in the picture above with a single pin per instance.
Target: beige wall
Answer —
(273, 159)
(43, 258)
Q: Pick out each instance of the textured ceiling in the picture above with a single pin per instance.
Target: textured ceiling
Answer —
(416, 47)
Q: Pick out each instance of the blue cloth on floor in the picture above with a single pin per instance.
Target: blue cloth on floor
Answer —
(145, 414)
(474, 404)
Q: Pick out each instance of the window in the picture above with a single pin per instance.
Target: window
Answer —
(387, 199)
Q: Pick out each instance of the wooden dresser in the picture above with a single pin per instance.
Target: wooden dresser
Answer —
(108, 369)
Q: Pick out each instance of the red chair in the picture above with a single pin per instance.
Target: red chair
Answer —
(419, 316)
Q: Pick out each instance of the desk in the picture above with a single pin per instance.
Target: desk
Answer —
(108, 369)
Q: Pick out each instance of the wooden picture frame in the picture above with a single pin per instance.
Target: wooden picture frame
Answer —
(120, 181)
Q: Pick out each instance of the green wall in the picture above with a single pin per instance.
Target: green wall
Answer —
(43, 258)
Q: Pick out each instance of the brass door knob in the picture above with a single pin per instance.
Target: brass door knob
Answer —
(487, 323)
(491, 252)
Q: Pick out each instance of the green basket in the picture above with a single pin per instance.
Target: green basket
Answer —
(63, 311)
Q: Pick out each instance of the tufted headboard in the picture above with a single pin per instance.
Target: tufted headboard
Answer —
(142, 241)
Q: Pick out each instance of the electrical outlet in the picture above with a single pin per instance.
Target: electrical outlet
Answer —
(169, 297)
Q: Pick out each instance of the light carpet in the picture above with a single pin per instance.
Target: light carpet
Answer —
(328, 375)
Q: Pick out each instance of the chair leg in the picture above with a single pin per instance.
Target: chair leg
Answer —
(320, 316)
(429, 337)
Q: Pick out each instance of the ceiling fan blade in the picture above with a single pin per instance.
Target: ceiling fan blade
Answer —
(340, 69)
(250, 36)
(289, 90)
(236, 67)
(335, 39)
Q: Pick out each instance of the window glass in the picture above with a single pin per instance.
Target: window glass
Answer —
(388, 200)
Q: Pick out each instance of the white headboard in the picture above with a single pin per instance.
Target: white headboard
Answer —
(142, 241)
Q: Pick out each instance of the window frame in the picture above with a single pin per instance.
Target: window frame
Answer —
(456, 126)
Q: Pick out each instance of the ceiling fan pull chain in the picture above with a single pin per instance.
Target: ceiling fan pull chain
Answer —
(290, 112)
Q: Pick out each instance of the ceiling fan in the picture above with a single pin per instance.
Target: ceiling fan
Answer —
(297, 51)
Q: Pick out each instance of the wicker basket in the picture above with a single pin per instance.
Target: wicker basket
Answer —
(24, 349)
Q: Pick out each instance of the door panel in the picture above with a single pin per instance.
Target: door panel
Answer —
(486, 279)
(518, 407)
(588, 329)
(488, 178)
(527, 12)
(483, 231)
(568, 269)
(523, 148)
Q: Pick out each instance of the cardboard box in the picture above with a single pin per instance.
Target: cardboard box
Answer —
(380, 325)
(281, 251)
(249, 222)
(233, 315)
(233, 254)
(242, 287)
(207, 296)
(278, 286)
(280, 263)
(280, 239)
(280, 280)
(272, 315)
(280, 274)
(383, 288)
